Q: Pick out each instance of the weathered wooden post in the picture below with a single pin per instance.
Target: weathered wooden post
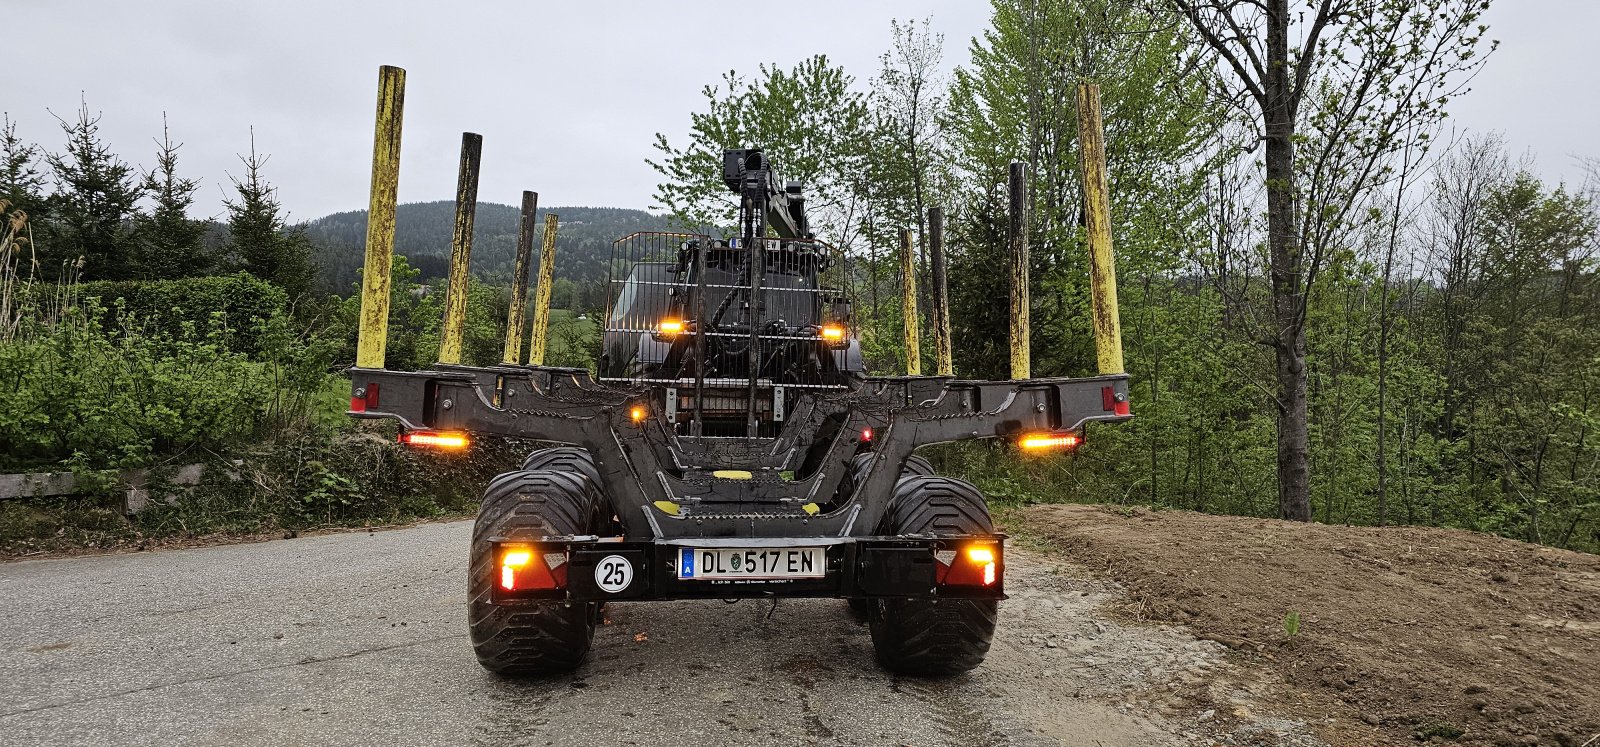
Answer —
(455, 297)
(373, 331)
(519, 281)
(1097, 224)
(941, 292)
(541, 296)
(908, 303)
(1021, 334)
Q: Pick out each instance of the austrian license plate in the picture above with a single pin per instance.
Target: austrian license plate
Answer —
(761, 563)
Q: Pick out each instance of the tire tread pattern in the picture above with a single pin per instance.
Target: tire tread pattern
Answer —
(528, 638)
(924, 636)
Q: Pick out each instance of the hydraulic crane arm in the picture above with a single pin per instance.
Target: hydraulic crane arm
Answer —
(764, 201)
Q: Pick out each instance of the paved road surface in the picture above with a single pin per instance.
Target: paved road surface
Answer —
(360, 639)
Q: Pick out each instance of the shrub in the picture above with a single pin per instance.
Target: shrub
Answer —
(165, 307)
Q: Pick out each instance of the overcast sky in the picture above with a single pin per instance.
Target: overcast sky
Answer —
(568, 96)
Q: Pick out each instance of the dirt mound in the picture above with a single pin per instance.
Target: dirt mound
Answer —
(1403, 634)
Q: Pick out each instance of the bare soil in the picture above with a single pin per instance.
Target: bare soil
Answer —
(1405, 634)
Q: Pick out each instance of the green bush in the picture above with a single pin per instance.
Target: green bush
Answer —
(165, 307)
(416, 314)
(75, 394)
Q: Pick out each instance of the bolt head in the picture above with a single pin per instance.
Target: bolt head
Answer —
(447, 404)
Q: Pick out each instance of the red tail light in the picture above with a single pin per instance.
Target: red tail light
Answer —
(526, 568)
(976, 564)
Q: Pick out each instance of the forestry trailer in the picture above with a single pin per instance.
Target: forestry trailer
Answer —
(730, 446)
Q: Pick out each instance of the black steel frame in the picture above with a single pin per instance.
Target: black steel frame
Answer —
(661, 485)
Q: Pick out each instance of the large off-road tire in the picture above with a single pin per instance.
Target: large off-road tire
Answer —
(564, 459)
(914, 465)
(925, 636)
(861, 463)
(577, 460)
(532, 637)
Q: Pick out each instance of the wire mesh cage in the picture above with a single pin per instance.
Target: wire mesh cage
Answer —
(732, 331)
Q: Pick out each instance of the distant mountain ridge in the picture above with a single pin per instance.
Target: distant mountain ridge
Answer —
(423, 229)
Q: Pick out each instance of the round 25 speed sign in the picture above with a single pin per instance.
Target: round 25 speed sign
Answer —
(613, 574)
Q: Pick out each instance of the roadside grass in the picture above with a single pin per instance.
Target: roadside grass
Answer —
(355, 475)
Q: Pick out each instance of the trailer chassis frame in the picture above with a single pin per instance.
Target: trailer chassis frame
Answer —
(665, 486)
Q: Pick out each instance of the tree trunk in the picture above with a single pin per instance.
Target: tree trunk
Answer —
(1283, 243)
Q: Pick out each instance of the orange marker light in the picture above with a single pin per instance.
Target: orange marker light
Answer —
(637, 413)
(447, 440)
(1041, 441)
(835, 335)
(669, 327)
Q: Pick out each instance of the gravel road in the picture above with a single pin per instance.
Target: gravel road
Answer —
(360, 639)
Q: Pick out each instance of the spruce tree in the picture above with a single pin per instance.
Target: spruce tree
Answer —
(170, 242)
(21, 192)
(92, 211)
(257, 239)
(21, 182)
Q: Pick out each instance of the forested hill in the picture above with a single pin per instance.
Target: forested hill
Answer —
(422, 234)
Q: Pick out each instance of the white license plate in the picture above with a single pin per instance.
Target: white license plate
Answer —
(768, 563)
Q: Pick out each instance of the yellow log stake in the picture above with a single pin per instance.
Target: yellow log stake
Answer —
(519, 281)
(455, 297)
(1021, 332)
(541, 295)
(1097, 224)
(908, 303)
(374, 325)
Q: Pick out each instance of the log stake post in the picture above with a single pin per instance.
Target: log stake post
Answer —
(519, 281)
(941, 292)
(455, 297)
(1021, 333)
(373, 332)
(1097, 224)
(541, 295)
(908, 303)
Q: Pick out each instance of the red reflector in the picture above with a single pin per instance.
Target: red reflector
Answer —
(866, 434)
(1111, 402)
(365, 397)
